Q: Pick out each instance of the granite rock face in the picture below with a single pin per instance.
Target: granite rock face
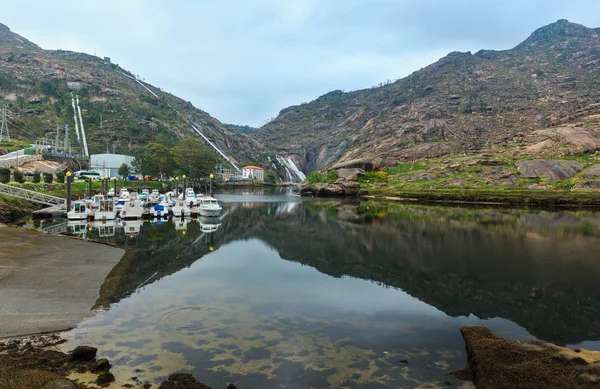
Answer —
(548, 170)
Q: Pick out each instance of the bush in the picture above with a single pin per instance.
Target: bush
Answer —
(314, 177)
(18, 176)
(36, 177)
(4, 175)
(379, 176)
(48, 178)
(332, 175)
(60, 177)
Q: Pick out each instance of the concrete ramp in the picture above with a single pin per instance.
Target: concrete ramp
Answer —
(49, 282)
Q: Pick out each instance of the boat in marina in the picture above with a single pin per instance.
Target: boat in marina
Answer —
(131, 209)
(159, 211)
(209, 206)
(79, 211)
(106, 211)
(183, 208)
(190, 197)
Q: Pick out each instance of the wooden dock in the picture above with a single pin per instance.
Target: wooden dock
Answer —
(50, 212)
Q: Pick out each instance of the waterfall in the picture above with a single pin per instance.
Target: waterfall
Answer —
(293, 173)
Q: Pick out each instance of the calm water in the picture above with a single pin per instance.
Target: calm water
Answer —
(281, 292)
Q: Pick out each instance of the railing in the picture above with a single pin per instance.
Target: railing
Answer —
(33, 196)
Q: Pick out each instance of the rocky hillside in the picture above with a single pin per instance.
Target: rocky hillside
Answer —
(36, 85)
(521, 102)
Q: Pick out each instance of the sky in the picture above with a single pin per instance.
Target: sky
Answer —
(243, 61)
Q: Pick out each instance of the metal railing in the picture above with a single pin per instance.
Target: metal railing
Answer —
(33, 196)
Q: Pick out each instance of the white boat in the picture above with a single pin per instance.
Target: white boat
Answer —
(132, 209)
(79, 211)
(209, 206)
(183, 208)
(111, 192)
(159, 211)
(190, 197)
(106, 211)
(153, 198)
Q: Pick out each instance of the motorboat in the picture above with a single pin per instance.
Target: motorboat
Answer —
(190, 197)
(111, 192)
(153, 198)
(209, 206)
(79, 211)
(132, 209)
(106, 211)
(183, 208)
(159, 211)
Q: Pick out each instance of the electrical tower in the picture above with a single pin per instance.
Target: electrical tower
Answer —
(67, 142)
(4, 126)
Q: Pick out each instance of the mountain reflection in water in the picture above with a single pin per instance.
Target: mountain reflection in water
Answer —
(325, 293)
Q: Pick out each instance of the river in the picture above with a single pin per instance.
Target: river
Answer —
(286, 292)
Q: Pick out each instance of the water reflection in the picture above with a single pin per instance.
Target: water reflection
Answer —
(327, 293)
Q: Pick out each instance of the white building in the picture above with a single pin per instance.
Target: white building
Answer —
(109, 164)
(253, 173)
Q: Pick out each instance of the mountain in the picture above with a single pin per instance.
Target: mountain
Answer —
(490, 101)
(119, 110)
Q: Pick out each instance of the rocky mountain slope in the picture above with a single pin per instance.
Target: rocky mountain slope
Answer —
(36, 85)
(541, 98)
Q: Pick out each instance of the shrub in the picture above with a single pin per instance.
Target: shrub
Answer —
(314, 177)
(4, 175)
(36, 177)
(60, 177)
(332, 175)
(379, 176)
(18, 176)
(48, 178)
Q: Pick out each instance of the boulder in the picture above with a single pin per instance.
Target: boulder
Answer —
(350, 188)
(577, 140)
(549, 170)
(324, 189)
(351, 174)
(587, 185)
(592, 172)
(183, 381)
(497, 363)
(104, 379)
(102, 365)
(364, 164)
(83, 354)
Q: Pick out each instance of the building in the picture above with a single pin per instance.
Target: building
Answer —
(253, 173)
(109, 164)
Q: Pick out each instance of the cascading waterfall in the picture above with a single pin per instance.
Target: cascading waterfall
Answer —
(75, 117)
(292, 172)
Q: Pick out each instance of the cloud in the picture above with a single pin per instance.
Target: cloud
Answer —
(244, 61)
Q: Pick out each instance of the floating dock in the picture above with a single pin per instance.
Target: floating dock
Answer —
(50, 212)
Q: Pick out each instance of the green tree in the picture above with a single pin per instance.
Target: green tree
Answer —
(48, 177)
(18, 176)
(162, 157)
(60, 177)
(314, 177)
(143, 163)
(4, 175)
(194, 158)
(37, 177)
(123, 170)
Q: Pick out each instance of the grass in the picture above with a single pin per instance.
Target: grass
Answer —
(20, 379)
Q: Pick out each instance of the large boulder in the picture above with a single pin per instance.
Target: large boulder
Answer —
(587, 185)
(592, 172)
(497, 363)
(182, 381)
(577, 140)
(549, 170)
(326, 189)
(350, 174)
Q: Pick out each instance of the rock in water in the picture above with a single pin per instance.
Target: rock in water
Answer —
(182, 381)
(496, 363)
(549, 170)
(83, 354)
(102, 365)
(105, 378)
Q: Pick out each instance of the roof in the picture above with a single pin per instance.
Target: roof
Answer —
(109, 161)
(252, 167)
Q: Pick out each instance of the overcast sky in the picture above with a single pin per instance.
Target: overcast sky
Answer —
(245, 60)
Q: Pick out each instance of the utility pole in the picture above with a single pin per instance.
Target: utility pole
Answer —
(4, 126)
(67, 142)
